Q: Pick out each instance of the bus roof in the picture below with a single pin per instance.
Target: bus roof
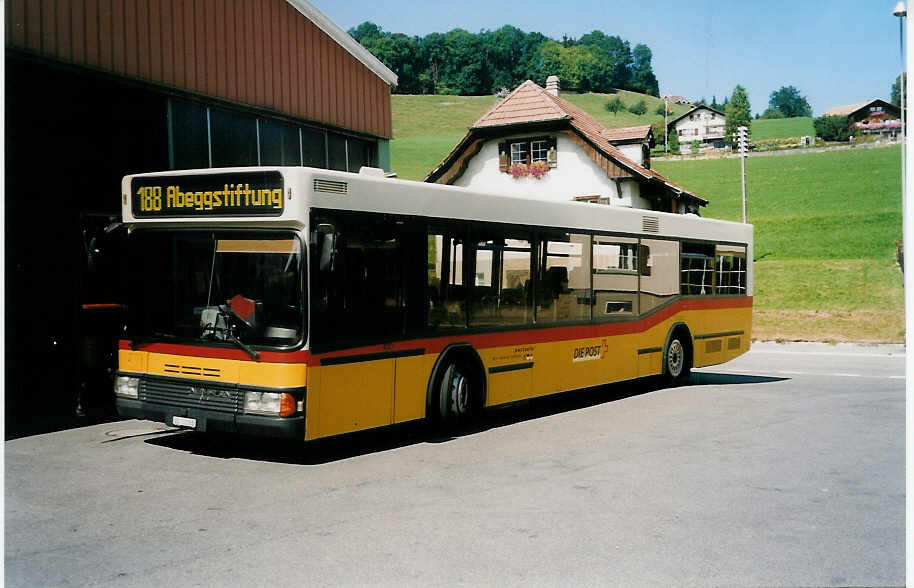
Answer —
(304, 188)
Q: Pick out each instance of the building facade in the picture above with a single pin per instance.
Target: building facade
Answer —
(538, 145)
(702, 124)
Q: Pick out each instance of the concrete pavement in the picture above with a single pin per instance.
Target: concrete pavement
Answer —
(783, 467)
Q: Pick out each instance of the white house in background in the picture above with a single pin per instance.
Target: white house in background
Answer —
(537, 145)
(703, 124)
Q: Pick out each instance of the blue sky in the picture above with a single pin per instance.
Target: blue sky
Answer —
(835, 52)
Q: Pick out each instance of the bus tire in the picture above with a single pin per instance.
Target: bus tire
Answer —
(677, 358)
(455, 395)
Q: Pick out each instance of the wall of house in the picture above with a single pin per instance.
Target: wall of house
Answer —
(633, 151)
(703, 119)
(574, 175)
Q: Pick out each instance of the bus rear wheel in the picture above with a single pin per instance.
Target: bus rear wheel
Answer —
(677, 360)
(455, 395)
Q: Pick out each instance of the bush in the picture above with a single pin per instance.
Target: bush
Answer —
(638, 108)
(661, 109)
(674, 141)
(833, 128)
(696, 147)
(615, 105)
(772, 113)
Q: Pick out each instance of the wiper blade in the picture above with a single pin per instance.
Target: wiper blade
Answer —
(242, 345)
(224, 332)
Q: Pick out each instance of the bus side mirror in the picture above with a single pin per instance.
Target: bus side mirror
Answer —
(326, 241)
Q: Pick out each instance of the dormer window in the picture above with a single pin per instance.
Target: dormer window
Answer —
(526, 151)
(538, 150)
(519, 152)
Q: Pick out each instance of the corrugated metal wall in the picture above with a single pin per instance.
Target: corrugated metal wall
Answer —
(258, 52)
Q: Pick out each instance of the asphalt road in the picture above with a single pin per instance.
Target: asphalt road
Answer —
(784, 467)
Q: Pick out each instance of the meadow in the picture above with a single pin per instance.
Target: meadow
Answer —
(782, 128)
(825, 223)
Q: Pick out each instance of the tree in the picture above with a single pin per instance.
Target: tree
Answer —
(896, 89)
(367, 30)
(643, 78)
(582, 67)
(619, 54)
(657, 128)
(511, 56)
(789, 102)
(833, 128)
(615, 105)
(638, 108)
(661, 109)
(460, 62)
(738, 115)
(771, 113)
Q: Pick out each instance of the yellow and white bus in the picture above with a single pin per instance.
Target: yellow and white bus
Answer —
(305, 303)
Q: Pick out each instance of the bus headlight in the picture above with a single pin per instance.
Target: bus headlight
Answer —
(127, 387)
(275, 403)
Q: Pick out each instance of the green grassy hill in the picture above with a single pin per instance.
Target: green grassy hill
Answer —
(426, 128)
(825, 228)
(782, 128)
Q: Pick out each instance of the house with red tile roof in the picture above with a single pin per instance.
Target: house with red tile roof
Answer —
(538, 145)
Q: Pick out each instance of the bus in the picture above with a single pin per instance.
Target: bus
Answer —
(306, 303)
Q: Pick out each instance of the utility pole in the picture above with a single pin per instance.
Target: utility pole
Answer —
(742, 143)
(666, 132)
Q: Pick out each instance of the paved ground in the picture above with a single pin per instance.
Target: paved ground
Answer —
(784, 467)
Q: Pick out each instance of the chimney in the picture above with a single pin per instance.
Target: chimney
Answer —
(552, 85)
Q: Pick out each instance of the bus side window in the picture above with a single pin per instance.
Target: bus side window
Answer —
(445, 290)
(615, 276)
(563, 279)
(696, 269)
(661, 281)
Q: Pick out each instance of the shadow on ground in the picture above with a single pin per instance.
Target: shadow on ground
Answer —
(342, 447)
(708, 378)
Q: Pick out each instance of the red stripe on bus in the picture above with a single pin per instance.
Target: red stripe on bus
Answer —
(219, 352)
(478, 340)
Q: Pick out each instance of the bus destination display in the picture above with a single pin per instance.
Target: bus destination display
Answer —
(231, 194)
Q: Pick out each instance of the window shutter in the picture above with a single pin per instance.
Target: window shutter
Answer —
(552, 157)
(504, 157)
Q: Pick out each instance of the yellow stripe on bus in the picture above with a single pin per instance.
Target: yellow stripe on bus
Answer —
(249, 373)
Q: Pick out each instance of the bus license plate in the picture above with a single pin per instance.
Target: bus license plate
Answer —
(184, 422)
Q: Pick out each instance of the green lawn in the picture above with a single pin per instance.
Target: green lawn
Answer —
(426, 128)
(825, 231)
(782, 128)
(595, 105)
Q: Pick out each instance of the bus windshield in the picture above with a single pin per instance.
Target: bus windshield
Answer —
(241, 288)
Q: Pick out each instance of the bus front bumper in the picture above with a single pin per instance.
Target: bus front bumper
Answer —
(201, 419)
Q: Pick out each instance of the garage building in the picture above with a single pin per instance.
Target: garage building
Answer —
(96, 89)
